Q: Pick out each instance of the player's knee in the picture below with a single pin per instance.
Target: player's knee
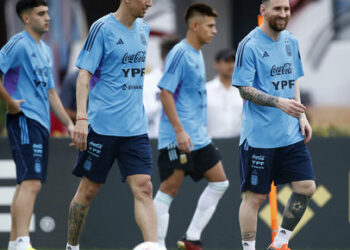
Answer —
(254, 200)
(143, 190)
(220, 186)
(90, 192)
(169, 188)
(311, 189)
(32, 186)
(305, 187)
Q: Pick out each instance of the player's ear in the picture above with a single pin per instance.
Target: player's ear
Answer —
(195, 25)
(25, 18)
(262, 9)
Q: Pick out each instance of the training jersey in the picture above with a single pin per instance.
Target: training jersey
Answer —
(184, 76)
(27, 74)
(116, 58)
(273, 68)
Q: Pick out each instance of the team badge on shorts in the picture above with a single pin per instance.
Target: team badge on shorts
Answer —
(183, 158)
(254, 179)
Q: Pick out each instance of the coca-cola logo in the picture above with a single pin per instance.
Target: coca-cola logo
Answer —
(140, 56)
(281, 70)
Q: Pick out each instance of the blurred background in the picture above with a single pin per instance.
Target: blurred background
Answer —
(323, 30)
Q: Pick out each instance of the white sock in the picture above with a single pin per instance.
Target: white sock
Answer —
(248, 245)
(12, 245)
(23, 242)
(162, 202)
(282, 237)
(206, 206)
(70, 247)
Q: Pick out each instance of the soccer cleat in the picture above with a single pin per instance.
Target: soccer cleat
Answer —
(185, 244)
(284, 247)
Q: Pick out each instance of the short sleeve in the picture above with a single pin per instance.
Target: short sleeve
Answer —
(10, 54)
(51, 80)
(173, 70)
(245, 66)
(299, 72)
(92, 51)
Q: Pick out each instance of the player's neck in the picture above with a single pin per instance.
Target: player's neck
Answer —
(225, 81)
(35, 35)
(124, 17)
(193, 40)
(274, 35)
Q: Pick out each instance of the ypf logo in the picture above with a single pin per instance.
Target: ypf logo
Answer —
(320, 197)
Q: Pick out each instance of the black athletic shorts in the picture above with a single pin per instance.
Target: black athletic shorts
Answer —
(195, 164)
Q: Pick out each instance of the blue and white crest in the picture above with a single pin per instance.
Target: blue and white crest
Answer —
(87, 165)
(37, 167)
(288, 47)
(254, 180)
(143, 38)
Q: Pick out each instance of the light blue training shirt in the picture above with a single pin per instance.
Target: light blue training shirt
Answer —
(27, 74)
(116, 58)
(273, 68)
(184, 76)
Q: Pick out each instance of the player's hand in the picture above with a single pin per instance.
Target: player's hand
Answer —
(184, 142)
(80, 133)
(291, 107)
(14, 107)
(70, 129)
(305, 128)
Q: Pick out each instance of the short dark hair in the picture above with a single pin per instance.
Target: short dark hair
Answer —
(166, 45)
(225, 55)
(199, 8)
(23, 5)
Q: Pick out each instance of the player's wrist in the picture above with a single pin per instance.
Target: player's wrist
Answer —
(82, 117)
(179, 130)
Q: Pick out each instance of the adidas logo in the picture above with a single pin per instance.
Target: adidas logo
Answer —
(120, 42)
(265, 54)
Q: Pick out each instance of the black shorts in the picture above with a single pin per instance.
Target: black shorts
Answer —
(195, 164)
(133, 154)
(29, 141)
(260, 166)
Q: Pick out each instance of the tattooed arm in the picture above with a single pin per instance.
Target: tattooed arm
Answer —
(289, 106)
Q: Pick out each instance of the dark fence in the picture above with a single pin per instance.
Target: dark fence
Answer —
(110, 222)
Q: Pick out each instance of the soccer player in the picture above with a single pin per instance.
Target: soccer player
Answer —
(274, 128)
(184, 144)
(151, 92)
(112, 67)
(28, 91)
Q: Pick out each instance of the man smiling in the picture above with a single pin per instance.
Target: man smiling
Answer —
(274, 127)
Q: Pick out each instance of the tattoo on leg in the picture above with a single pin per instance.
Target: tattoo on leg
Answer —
(76, 221)
(294, 210)
(248, 236)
